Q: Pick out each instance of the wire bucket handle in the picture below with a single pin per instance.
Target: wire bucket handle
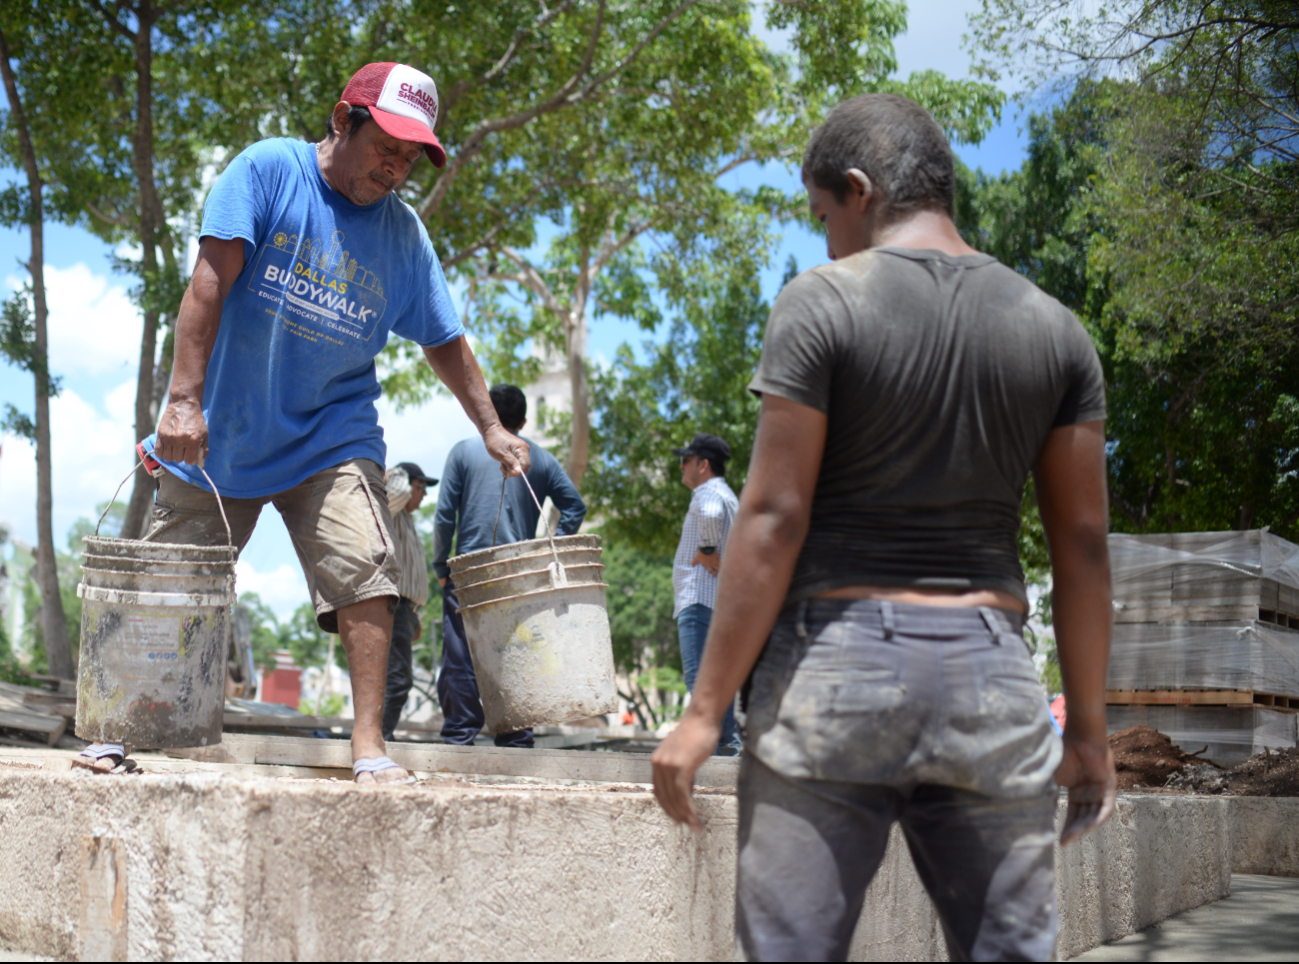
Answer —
(230, 539)
(558, 576)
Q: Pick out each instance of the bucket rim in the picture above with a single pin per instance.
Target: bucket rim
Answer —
(189, 600)
(214, 578)
(159, 568)
(158, 548)
(535, 592)
(541, 545)
(532, 558)
(516, 575)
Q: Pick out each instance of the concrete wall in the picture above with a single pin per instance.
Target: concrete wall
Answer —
(205, 866)
(1265, 836)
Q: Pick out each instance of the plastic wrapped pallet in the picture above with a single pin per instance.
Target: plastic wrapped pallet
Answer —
(1205, 576)
(1245, 655)
(1228, 734)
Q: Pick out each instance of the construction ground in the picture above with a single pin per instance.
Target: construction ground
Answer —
(501, 854)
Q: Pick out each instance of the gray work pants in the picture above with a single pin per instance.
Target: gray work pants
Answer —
(861, 714)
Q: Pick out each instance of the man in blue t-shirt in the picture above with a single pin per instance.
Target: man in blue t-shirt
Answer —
(307, 261)
(478, 510)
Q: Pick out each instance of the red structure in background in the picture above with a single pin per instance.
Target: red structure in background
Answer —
(1058, 710)
(285, 684)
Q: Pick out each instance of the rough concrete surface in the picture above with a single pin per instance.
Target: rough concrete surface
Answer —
(1265, 836)
(1259, 921)
(1158, 855)
(210, 866)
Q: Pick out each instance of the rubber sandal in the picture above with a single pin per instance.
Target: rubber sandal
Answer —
(92, 754)
(374, 765)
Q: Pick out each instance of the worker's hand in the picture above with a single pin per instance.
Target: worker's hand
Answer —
(1087, 770)
(712, 563)
(182, 433)
(443, 582)
(508, 449)
(675, 762)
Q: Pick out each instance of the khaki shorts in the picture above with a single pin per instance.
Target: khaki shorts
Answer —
(338, 520)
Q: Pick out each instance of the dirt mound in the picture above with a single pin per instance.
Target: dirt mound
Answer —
(1146, 758)
(1273, 773)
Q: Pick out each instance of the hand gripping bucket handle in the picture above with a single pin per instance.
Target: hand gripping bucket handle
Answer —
(230, 540)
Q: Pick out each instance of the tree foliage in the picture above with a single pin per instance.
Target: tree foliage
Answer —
(645, 651)
(1164, 213)
(695, 380)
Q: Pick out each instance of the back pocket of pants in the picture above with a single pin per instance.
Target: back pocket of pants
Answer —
(867, 689)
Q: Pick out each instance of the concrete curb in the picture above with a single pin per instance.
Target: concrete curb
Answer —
(216, 867)
(1265, 836)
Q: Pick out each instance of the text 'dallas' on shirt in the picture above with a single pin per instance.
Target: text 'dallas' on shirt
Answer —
(291, 384)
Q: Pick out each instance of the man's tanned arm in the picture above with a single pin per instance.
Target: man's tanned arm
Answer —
(182, 433)
(1072, 498)
(454, 363)
(766, 537)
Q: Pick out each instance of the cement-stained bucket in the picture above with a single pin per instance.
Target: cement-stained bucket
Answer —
(155, 627)
(538, 631)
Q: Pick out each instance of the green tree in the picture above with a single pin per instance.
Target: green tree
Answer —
(1179, 234)
(645, 649)
(695, 380)
(25, 341)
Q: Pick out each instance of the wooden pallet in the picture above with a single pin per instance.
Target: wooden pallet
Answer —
(1200, 698)
(1278, 618)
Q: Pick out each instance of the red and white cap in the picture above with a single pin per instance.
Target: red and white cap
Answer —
(403, 102)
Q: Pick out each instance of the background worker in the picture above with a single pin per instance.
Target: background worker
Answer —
(475, 513)
(407, 485)
(872, 594)
(307, 261)
(699, 557)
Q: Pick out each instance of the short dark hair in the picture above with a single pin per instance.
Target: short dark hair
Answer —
(511, 405)
(893, 141)
(719, 468)
(357, 117)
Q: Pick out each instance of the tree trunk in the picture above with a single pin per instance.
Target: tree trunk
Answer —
(579, 452)
(54, 623)
(151, 221)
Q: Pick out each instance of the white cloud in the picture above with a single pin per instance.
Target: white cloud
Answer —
(282, 589)
(424, 435)
(94, 326)
(91, 453)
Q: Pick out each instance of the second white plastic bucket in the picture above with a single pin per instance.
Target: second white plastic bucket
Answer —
(538, 631)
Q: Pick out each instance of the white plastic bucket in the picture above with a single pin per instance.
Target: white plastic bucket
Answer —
(155, 628)
(538, 631)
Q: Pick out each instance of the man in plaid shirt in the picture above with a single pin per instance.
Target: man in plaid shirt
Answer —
(699, 557)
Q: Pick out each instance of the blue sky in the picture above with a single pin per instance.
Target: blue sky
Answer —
(94, 337)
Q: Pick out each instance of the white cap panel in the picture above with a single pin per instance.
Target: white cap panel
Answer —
(409, 93)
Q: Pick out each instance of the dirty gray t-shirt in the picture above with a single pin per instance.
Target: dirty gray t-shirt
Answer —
(941, 377)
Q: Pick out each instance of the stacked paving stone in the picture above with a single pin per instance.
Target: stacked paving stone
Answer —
(1206, 640)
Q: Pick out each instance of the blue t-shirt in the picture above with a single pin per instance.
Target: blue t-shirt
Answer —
(291, 385)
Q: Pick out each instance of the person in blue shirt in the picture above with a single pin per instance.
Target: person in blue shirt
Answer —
(308, 261)
(477, 510)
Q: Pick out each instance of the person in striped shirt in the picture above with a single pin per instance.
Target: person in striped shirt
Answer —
(699, 558)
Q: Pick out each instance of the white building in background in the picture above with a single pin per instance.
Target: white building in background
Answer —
(551, 393)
